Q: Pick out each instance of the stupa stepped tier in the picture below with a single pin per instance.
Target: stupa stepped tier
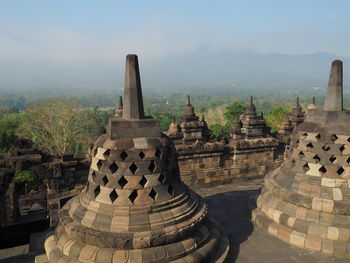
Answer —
(306, 201)
(134, 207)
(190, 129)
(253, 124)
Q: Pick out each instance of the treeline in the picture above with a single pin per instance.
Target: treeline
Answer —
(67, 125)
(161, 101)
(55, 126)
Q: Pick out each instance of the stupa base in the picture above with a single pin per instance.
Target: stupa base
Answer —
(295, 225)
(205, 245)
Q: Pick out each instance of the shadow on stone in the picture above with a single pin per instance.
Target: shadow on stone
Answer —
(232, 212)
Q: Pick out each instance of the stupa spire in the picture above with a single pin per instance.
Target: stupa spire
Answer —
(250, 109)
(119, 108)
(133, 103)
(188, 100)
(188, 114)
(312, 106)
(334, 97)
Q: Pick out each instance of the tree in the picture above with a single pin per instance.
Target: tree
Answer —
(222, 117)
(233, 112)
(218, 130)
(275, 116)
(58, 127)
(216, 116)
(101, 116)
(8, 126)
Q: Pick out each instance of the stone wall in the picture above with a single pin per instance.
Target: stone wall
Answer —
(226, 164)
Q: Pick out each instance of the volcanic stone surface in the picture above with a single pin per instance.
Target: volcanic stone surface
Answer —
(190, 129)
(134, 207)
(306, 201)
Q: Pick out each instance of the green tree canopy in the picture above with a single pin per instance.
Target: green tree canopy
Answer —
(8, 126)
(58, 127)
(275, 116)
(101, 116)
(233, 112)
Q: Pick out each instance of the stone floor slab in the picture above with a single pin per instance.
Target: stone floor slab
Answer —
(231, 206)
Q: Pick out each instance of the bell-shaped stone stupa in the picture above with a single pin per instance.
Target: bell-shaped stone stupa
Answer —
(306, 201)
(134, 207)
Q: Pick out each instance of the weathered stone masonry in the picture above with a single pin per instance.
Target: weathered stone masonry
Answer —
(306, 201)
(135, 208)
(251, 152)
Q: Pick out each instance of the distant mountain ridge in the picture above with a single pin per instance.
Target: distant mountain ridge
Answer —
(245, 69)
(203, 69)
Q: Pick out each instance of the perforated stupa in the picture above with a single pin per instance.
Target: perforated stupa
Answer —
(134, 207)
(306, 201)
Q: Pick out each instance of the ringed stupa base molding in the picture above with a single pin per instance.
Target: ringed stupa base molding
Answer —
(204, 244)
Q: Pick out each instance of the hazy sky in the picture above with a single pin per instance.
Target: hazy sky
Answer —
(39, 38)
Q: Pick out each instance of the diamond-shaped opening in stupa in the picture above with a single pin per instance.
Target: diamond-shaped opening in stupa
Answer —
(306, 167)
(113, 168)
(332, 159)
(123, 155)
(105, 180)
(113, 195)
(322, 169)
(309, 145)
(340, 171)
(143, 181)
(326, 148)
(151, 166)
(334, 137)
(316, 158)
(107, 153)
(133, 168)
(122, 182)
(153, 194)
(161, 178)
(133, 196)
(171, 190)
(99, 164)
(141, 155)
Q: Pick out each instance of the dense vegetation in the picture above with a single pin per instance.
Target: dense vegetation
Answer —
(62, 124)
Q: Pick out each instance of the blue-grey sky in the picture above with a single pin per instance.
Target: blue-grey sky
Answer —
(40, 37)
